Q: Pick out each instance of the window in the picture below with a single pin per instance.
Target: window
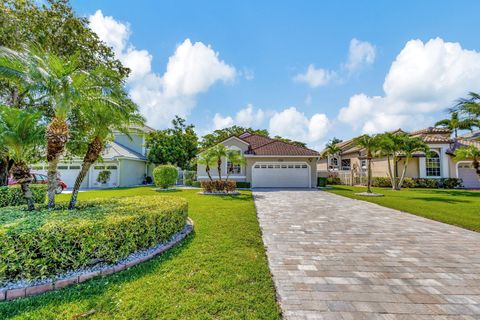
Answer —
(234, 168)
(334, 161)
(432, 164)
(257, 166)
(304, 166)
(363, 164)
(99, 167)
(62, 167)
(75, 167)
(112, 167)
(345, 164)
(270, 166)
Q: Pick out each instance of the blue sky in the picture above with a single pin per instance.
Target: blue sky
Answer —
(253, 57)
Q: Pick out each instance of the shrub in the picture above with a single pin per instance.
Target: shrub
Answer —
(44, 243)
(188, 182)
(103, 176)
(321, 182)
(408, 183)
(148, 180)
(13, 196)
(243, 184)
(165, 176)
(196, 184)
(447, 183)
(381, 182)
(190, 175)
(451, 183)
(218, 186)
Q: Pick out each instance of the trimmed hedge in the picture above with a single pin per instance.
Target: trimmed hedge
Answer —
(196, 184)
(447, 183)
(165, 176)
(322, 181)
(45, 243)
(218, 186)
(243, 184)
(13, 195)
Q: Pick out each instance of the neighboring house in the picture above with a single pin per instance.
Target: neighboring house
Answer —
(439, 164)
(269, 163)
(125, 158)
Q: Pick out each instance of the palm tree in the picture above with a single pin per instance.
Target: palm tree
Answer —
(208, 159)
(332, 150)
(409, 147)
(470, 107)
(58, 83)
(371, 145)
(455, 123)
(235, 158)
(467, 153)
(390, 146)
(102, 120)
(21, 135)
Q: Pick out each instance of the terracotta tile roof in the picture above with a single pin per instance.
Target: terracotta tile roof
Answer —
(264, 146)
(437, 139)
(471, 135)
(431, 130)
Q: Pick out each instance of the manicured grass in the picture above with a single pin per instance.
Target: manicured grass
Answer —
(220, 272)
(457, 207)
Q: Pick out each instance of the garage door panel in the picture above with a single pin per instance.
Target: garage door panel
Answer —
(469, 176)
(281, 175)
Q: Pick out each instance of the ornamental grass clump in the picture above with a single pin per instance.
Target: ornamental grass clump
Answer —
(46, 242)
(165, 176)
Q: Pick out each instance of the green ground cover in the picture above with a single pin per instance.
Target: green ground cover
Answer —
(219, 272)
(457, 207)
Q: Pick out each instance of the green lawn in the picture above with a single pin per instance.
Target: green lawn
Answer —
(457, 207)
(220, 272)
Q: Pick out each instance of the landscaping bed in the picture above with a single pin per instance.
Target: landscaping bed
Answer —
(45, 243)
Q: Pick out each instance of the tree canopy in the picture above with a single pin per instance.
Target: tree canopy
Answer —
(177, 145)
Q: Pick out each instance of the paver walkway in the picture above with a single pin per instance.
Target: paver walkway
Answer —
(337, 258)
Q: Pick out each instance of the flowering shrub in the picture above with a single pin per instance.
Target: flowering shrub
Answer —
(47, 242)
(214, 186)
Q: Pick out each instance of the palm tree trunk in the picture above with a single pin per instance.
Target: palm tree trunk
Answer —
(57, 137)
(405, 165)
(3, 172)
(395, 169)
(21, 173)
(93, 152)
(476, 165)
(207, 169)
(369, 175)
(390, 170)
(219, 168)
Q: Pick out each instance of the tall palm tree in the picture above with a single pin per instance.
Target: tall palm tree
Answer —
(208, 159)
(235, 158)
(455, 123)
(22, 135)
(390, 146)
(103, 120)
(332, 150)
(470, 107)
(56, 82)
(371, 144)
(409, 146)
(469, 153)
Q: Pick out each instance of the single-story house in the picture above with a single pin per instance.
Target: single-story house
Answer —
(269, 163)
(125, 158)
(440, 163)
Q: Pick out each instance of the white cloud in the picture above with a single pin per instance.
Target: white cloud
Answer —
(293, 124)
(315, 77)
(191, 70)
(360, 53)
(424, 79)
(246, 117)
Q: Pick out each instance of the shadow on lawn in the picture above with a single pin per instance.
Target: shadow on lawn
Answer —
(91, 288)
(440, 199)
(454, 193)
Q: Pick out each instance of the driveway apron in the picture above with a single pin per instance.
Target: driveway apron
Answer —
(338, 258)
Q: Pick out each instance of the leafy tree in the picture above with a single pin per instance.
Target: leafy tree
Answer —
(371, 144)
(177, 145)
(469, 107)
(21, 134)
(103, 119)
(455, 123)
(211, 139)
(467, 153)
(294, 142)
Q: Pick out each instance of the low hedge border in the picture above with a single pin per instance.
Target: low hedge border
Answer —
(44, 243)
(71, 278)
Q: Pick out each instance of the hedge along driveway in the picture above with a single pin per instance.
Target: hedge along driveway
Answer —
(220, 272)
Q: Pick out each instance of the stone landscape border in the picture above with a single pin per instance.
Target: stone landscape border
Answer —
(50, 285)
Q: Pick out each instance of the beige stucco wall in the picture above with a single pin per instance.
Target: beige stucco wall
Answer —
(322, 164)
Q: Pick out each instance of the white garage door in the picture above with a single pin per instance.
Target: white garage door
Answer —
(281, 175)
(467, 173)
(67, 172)
(111, 181)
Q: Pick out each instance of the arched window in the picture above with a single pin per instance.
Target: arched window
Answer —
(432, 164)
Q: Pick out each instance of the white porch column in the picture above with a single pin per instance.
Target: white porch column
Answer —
(422, 167)
(445, 172)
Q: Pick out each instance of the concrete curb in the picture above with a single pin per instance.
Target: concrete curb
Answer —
(34, 290)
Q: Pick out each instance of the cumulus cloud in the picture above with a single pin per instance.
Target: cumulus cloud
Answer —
(246, 117)
(424, 79)
(192, 69)
(293, 124)
(360, 53)
(315, 77)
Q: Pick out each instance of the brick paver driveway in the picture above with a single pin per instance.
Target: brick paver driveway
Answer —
(337, 258)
